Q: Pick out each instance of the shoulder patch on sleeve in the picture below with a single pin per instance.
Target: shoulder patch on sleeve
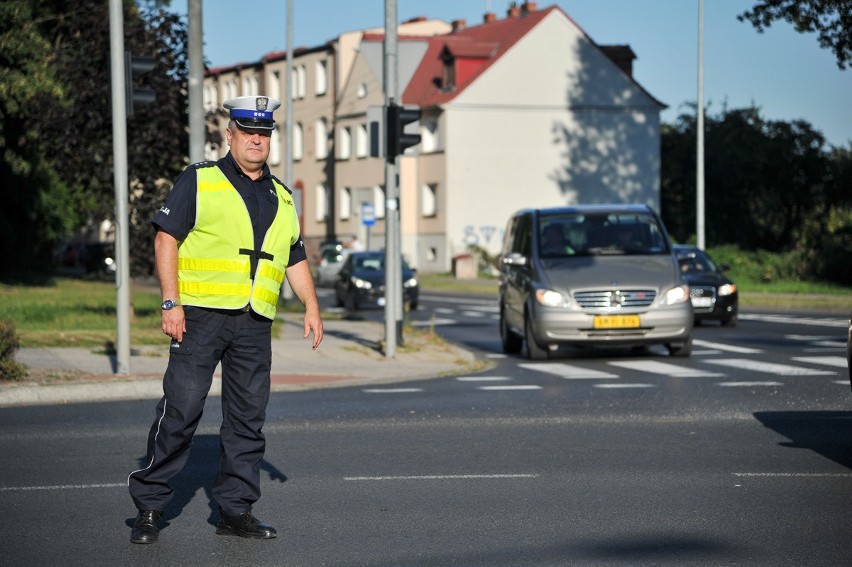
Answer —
(281, 183)
(202, 164)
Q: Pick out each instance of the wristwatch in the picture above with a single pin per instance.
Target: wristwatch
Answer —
(169, 304)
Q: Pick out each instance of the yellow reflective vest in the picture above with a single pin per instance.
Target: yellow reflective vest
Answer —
(214, 267)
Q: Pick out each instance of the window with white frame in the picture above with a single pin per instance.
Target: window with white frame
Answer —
(362, 90)
(321, 79)
(322, 203)
(275, 147)
(274, 86)
(344, 143)
(298, 141)
(361, 141)
(294, 84)
(345, 205)
(429, 135)
(429, 200)
(379, 201)
(301, 74)
(321, 140)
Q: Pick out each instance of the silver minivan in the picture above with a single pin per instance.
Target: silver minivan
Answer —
(591, 275)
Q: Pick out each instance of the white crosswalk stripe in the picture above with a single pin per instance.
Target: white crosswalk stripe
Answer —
(835, 361)
(568, 371)
(664, 368)
(724, 347)
(750, 384)
(768, 367)
(624, 386)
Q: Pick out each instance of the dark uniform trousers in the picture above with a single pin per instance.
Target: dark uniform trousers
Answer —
(241, 340)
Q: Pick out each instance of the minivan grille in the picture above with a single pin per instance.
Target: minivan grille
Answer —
(614, 299)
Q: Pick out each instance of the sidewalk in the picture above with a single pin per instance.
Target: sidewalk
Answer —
(349, 355)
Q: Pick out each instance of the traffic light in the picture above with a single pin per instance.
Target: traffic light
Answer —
(398, 139)
(134, 67)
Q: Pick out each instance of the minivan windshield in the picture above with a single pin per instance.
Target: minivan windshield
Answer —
(612, 234)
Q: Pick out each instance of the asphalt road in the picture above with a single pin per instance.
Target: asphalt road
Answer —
(740, 454)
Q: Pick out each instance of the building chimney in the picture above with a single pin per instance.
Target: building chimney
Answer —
(489, 17)
(528, 7)
(459, 25)
(513, 11)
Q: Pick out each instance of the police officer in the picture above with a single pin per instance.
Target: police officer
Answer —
(226, 236)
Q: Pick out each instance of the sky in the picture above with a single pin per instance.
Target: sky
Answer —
(784, 73)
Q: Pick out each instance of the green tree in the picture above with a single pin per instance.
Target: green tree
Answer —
(36, 210)
(763, 179)
(831, 19)
(62, 164)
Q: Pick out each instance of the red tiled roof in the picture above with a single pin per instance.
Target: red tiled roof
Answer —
(487, 42)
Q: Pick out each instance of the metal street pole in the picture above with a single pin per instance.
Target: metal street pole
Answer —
(287, 99)
(197, 128)
(119, 156)
(393, 262)
(699, 130)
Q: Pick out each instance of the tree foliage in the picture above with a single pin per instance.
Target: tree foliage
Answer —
(769, 185)
(830, 19)
(66, 123)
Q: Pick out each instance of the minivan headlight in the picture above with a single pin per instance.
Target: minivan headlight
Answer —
(727, 289)
(675, 295)
(551, 298)
(359, 283)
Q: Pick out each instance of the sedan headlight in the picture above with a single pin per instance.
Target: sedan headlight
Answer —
(675, 295)
(727, 289)
(551, 298)
(361, 284)
(410, 282)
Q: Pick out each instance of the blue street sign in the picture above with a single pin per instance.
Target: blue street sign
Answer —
(368, 215)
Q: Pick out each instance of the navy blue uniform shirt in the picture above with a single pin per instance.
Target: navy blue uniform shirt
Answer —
(177, 215)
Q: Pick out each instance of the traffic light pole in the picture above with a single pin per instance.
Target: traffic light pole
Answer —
(393, 259)
(119, 156)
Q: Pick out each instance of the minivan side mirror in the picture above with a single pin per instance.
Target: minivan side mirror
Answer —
(514, 259)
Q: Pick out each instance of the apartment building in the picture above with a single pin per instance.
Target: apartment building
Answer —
(520, 111)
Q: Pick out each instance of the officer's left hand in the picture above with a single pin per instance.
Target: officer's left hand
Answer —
(313, 323)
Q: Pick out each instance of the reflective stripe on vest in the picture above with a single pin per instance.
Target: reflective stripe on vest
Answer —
(211, 270)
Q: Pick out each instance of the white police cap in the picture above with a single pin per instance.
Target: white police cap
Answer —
(252, 111)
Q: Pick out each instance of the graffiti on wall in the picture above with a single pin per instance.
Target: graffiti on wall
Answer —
(486, 236)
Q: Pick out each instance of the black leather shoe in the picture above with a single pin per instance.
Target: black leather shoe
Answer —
(146, 528)
(245, 525)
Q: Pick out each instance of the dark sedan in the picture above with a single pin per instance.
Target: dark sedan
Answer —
(360, 283)
(713, 294)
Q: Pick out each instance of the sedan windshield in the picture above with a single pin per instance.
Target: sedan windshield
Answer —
(611, 234)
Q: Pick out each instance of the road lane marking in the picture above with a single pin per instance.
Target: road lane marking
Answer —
(729, 348)
(61, 487)
(784, 319)
(568, 371)
(433, 322)
(518, 387)
(836, 361)
(784, 475)
(664, 368)
(442, 477)
(624, 386)
(769, 367)
(391, 390)
(747, 384)
(482, 378)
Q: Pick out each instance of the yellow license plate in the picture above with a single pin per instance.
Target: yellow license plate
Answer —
(616, 321)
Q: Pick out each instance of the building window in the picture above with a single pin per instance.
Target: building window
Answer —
(294, 84)
(322, 203)
(379, 201)
(362, 90)
(300, 73)
(344, 144)
(321, 79)
(275, 147)
(429, 200)
(361, 141)
(274, 87)
(321, 140)
(298, 141)
(429, 135)
(345, 203)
